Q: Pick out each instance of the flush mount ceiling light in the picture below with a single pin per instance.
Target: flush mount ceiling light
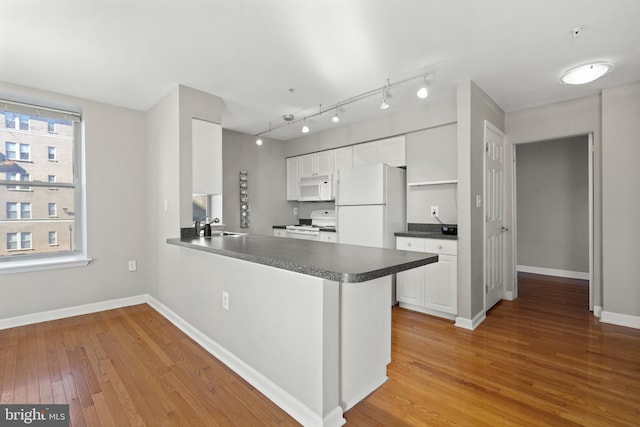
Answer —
(586, 73)
(259, 141)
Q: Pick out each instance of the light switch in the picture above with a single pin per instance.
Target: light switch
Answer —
(478, 201)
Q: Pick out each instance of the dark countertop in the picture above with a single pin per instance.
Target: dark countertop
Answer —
(426, 235)
(331, 261)
(426, 231)
(330, 229)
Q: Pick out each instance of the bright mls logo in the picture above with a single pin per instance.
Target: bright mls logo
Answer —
(34, 415)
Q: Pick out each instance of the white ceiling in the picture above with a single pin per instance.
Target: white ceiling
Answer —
(250, 52)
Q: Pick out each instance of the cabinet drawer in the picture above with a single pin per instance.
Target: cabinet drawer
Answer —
(415, 244)
(437, 246)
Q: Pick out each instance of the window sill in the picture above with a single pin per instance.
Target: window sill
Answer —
(26, 266)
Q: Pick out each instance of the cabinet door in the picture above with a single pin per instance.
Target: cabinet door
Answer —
(279, 232)
(343, 158)
(410, 286)
(328, 236)
(324, 162)
(292, 178)
(365, 154)
(441, 285)
(391, 151)
(307, 165)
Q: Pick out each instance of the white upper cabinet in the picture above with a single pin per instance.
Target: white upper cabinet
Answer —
(365, 154)
(390, 151)
(293, 178)
(343, 158)
(206, 157)
(432, 156)
(325, 162)
(316, 164)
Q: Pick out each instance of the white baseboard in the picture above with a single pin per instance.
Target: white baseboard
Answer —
(553, 272)
(78, 310)
(597, 310)
(272, 391)
(620, 319)
(471, 324)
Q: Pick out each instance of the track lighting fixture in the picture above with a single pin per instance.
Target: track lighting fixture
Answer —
(290, 118)
(385, 94)
(335, 118)
(423, 92)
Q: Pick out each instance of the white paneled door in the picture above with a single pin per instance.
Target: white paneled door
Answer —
(494, 256)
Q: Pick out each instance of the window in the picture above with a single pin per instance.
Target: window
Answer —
(18, 177)
(25, 152)
(18, 241)
(11, 150)
(12, 210)
(55, 236)
(17, 210)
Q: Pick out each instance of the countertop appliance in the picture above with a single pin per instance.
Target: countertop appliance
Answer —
(320, 220)
(316, 188)
(371, 204)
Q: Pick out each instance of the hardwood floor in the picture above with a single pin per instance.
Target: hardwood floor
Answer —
(542, 359)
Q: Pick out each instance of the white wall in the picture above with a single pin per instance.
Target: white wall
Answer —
(428, 114)
(474, 107)
(621, 202)
(267, 186)
(575, 117)
(553, 205)
(116, 177)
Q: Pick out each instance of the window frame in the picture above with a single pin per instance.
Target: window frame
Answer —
(63, 259)
(19, 241)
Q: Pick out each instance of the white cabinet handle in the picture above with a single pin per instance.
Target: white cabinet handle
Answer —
(409, 244)
(439, 246)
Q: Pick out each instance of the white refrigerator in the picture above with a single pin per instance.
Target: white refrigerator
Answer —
(371, 205)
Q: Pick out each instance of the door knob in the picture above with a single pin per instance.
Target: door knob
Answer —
(503, 229)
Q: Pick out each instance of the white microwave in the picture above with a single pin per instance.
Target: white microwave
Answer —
(316, 188)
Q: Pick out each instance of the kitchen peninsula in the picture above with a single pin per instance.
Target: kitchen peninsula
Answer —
(307, 323)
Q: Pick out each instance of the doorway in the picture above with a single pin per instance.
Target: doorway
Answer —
(553, 209)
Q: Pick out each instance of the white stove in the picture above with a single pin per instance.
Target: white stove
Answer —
(320, 219)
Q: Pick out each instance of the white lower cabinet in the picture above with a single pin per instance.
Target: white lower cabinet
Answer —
(280, 232)
(328, 236)
(432, 289)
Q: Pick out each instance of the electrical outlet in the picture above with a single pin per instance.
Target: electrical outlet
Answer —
(133, 265)
(225, 300)
(435, 211)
